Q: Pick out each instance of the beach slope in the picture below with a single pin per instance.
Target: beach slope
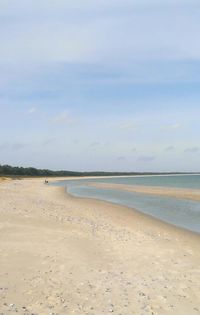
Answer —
(64, 255)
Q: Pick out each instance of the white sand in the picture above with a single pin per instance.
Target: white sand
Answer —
(63, 255)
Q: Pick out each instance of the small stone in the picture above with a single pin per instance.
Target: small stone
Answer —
(142, 294)
(108, 289)
(111, 308)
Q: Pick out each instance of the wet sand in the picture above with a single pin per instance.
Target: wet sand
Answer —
(63, 255)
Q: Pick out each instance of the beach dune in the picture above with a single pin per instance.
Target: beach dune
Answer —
(65, 255)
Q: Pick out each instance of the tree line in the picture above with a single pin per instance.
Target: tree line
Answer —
(7, 170)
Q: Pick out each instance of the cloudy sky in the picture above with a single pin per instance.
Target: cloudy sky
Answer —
(100, 85)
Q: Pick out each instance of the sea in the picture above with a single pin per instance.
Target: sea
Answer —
(179, 212)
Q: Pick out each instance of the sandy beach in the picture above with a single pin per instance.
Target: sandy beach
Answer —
(63, 255)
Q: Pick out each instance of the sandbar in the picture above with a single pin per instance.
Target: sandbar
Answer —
(180, 193)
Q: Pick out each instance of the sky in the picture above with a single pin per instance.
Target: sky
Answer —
(100, 85)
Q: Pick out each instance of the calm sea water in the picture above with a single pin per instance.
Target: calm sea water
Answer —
(179, 212)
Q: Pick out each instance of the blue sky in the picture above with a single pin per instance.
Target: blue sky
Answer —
(100, 85)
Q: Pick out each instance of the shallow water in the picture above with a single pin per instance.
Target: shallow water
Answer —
(179, 212)
(178, 181)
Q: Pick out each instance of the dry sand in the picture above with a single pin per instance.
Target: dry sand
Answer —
(182, 193)
(62, 255)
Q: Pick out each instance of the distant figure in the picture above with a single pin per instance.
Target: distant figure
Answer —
(46, 181)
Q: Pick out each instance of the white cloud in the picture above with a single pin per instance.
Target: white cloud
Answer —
(63, 118)
(32, 110)
(46, 43)
(171, 127)
(127, 125)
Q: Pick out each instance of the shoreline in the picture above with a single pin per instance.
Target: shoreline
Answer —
(62, 254)
(177, 193)
(135, 210)
(120, 176)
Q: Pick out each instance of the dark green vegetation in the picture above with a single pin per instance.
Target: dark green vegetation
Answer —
(7, 170)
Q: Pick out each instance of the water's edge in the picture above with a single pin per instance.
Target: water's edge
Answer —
(178, 212)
